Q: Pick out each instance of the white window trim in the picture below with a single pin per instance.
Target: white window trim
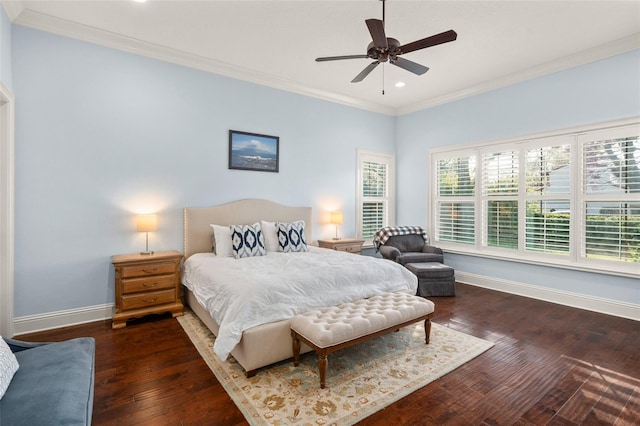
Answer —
(575, 260)
(390, 160)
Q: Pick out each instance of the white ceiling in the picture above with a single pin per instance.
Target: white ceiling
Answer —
(275, 42)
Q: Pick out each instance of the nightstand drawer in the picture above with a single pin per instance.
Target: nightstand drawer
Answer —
(157, 268)
(353, 248)
(156, 282)
(148, 299)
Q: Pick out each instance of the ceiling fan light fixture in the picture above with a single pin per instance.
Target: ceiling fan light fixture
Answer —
(383, 49)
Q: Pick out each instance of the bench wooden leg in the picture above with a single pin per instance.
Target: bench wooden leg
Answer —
(322, 367)
(296, 349)
(427, 330)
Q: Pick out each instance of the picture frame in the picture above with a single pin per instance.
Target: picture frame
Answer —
(253, 151)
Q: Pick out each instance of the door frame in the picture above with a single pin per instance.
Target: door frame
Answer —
(7, 208)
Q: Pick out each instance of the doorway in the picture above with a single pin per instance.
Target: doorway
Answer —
(6, 210)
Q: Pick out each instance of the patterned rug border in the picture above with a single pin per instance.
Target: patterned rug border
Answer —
(233, 380)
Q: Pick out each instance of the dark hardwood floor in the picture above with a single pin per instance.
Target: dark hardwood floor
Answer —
(551, 365)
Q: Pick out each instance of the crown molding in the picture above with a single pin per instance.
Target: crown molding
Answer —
(603, 51)
(28, 18)
(13, 9)
(63, 27)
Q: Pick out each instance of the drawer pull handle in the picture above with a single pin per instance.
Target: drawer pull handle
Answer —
(155, 283)
(145, 300)
(149, 271)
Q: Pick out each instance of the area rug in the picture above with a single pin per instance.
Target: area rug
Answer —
(361, 379)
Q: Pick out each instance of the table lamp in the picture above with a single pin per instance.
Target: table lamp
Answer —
(147, 223)
(336, 218)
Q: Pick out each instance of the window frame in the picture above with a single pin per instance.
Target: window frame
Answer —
(389, 200)
(576, 258)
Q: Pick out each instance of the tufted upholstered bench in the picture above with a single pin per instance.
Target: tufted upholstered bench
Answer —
(330, 329)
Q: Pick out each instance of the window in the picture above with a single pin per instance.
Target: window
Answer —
(455, 198)
(570, 199)
(500, 198)
(611, 195)
(376, 197)
(548, 196)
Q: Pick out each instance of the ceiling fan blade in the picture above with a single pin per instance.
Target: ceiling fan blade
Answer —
(434, 40)
(337, 58)
(409, 66)
(376, 29)
(365, 72)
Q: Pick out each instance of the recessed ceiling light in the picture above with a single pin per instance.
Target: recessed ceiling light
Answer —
(400, 84)
(140, 1)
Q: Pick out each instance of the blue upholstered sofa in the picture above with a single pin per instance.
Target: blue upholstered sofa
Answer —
(53, 385)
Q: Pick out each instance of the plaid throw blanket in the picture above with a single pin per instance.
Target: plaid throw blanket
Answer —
(383, 234)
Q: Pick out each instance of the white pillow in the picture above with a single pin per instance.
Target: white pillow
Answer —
(222, 241)
(270, 235)
(8, 366)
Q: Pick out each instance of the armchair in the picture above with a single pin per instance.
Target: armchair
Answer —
(411, 248)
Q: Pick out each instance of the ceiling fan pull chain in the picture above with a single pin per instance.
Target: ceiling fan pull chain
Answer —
(383, 75)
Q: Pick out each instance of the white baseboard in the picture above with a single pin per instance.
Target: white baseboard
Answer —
(33, 323)
(575, 300)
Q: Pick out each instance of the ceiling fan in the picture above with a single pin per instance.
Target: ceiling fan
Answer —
(383, 49)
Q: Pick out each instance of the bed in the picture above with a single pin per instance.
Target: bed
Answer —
(255, 343)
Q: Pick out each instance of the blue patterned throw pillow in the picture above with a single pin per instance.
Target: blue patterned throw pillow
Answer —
(291, 237)
(247, 240)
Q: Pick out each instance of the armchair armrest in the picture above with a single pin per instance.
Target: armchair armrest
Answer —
(389, 252)
(18, 345)
(432, 249)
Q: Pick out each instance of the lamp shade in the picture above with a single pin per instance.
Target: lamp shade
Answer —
(147, 222)
(336, 218)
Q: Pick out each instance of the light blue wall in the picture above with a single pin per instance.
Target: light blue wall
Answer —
(5, 50)
(604, 90)
(102, 134)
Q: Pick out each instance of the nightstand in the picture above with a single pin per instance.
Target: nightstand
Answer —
(146, 284)
(350, 245)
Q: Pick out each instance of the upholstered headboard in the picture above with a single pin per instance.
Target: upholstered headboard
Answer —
(197, 232)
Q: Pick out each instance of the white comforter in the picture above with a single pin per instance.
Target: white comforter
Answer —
(243, 293)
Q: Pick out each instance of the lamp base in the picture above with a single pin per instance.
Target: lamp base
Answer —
(336, 238)
(146, 247)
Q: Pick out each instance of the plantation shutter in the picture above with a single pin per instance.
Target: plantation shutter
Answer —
(569, 197)
(500, 173)
(375, 196)
(500, 189)
(456, 177)
(456, 222)
(611, 187)
(454, 199)
(548, 207)
(372, 218)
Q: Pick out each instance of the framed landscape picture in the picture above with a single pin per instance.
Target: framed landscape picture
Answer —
(251, 151)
